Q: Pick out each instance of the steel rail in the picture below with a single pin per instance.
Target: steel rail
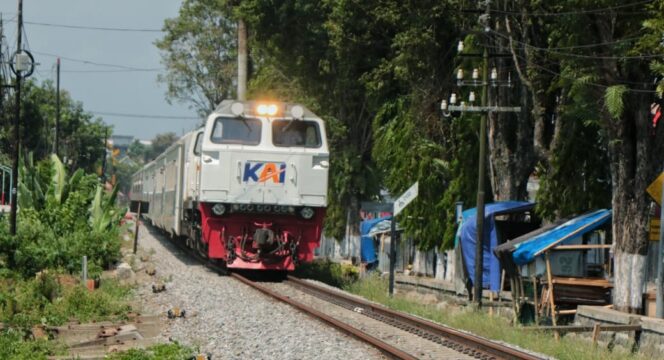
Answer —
(492, 348)
(377, 343)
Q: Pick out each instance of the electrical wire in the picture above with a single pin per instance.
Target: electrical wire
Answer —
(84, 27)
(111, 71)
(124, 67)
(555, 73)
(143, 116)
(581, 11)
(581, 56)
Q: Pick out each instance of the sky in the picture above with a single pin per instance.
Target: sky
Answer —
(104, 89)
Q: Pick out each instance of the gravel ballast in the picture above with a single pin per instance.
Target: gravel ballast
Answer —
(230, 320)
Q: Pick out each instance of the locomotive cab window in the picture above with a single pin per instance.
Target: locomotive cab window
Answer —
(296, 133)
(236, 131)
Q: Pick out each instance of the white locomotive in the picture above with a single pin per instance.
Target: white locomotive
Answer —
(249, 189)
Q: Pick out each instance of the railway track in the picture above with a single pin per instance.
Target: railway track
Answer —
(396, 334)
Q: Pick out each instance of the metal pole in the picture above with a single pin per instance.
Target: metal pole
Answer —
(103, 159)
(393, 252)
(660, 265)
(57, 108)
(479, 241)
(17, 116)
(85, 270)
(138, 220)
(242, 57)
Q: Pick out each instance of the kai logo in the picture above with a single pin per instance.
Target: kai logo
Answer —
(264, 172)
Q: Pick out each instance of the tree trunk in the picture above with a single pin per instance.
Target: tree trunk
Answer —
(636, 157)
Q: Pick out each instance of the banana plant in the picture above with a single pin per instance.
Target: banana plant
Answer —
(103, 213)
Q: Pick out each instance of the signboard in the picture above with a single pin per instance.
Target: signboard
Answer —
(655, 189)
(405, 199)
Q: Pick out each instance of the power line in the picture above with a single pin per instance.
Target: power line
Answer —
(124, 67)
(143, 116)
(96, 28)
(555, 73)
(580, 11)
(112, 71)
(581, 56)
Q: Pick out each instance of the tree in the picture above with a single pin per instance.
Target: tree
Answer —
(604, 89)
(199, 51)
(160, 143)
(138, 151)
(81, 135)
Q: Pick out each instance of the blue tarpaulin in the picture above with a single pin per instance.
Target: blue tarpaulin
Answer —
(367, 249)
(526, 251)
(466, 238)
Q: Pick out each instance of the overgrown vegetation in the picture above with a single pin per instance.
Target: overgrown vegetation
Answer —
(173, 351)
(329, 272)
(61, 218)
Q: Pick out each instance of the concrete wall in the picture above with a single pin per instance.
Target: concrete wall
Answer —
(649, 341)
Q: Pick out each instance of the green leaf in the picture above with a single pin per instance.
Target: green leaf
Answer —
(613, 100)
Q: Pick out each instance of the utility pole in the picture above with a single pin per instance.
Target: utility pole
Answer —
(479, 240)
(57, 108)
(659, 305)
(242, 59)
(17, 116)
(103, 159)
(451, 108)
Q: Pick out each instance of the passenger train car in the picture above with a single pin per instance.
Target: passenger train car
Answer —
(249, 189)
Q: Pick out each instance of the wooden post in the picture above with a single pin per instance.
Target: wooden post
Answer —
(138, 220)
(549, 279)
(534, 280)
(502, 284)
(491, 303)
(596, 330)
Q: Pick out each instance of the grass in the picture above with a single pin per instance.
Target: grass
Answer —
(51, 298)
(374, 288)
(173, 351)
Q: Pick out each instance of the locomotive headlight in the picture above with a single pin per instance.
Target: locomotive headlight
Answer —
(307, 213)
(219, 209)
(237, 108)
(297, 112)
(267, 109)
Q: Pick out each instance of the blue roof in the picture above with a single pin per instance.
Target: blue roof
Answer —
(526, 251)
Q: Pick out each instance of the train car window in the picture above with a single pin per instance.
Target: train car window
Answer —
(296, 133)
(198, 145)
(236, 131)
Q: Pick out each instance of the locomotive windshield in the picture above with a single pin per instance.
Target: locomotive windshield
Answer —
(296, 133)
(236, 131)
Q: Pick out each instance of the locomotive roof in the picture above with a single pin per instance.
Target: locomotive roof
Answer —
(225, 106)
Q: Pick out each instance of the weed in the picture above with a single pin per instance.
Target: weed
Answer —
(173, 351)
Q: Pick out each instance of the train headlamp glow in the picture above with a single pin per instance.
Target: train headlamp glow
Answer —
(307, 213)
(297, 112)
(237, 109)
(219, 209)
(267, 109)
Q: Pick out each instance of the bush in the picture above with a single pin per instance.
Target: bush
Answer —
(61, 219)
(329, 272)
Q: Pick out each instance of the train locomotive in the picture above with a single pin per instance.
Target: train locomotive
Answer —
(249, 189)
